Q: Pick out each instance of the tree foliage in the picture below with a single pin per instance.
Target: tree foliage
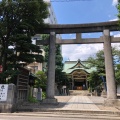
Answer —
(118, 8)
(58, 56)
(41, 80)
(19, 20)
(94, 80)
(60, 77)
(98, 62)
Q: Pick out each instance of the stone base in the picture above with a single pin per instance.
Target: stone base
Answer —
(104, 94)
(112, 102)
(50, 101)
(6, 108)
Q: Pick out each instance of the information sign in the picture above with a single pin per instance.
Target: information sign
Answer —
(3, 92)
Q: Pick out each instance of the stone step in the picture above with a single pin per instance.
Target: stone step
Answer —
(79, 92)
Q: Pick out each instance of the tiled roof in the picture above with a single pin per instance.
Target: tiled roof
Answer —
(70, 66)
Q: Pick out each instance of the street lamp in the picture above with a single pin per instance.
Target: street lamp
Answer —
(34, 64)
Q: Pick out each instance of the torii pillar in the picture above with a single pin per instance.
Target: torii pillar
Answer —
(51, 71)
(110, 75)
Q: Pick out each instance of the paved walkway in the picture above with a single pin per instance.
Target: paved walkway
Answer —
(80, 103)
(71, 103)
(92, 103)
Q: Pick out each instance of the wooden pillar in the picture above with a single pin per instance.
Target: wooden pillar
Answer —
(72, 82)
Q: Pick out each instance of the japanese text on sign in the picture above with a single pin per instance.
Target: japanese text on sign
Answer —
(3, 92)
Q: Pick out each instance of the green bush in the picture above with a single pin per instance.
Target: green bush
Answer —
(43, 95)
(32, 99)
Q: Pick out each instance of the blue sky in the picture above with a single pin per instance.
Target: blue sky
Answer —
(83, 11)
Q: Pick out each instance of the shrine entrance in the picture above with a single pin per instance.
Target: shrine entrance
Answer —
(79, 80)
(78, 29)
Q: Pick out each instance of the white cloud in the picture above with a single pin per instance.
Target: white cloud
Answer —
(115, 2)
(117, 35)
(82, 52)
(115, 19)
(117, 45)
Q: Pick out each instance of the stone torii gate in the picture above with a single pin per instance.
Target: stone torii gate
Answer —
(106, 39)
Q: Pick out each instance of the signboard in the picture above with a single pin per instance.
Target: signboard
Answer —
(3, 92)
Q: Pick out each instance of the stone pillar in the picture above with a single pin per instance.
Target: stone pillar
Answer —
(110, 76)
(51, 71)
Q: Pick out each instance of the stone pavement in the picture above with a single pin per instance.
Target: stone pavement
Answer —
(73, 104)
(80, 103)
(89, 103)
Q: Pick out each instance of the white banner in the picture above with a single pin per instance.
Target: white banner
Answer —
(3, 92)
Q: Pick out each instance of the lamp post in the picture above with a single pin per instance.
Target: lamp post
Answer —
(34, 65)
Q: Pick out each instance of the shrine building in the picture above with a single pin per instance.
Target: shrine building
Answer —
(77, 71)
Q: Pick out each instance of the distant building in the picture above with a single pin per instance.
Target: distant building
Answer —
(34, 67)
(77, 72)
(51, 18)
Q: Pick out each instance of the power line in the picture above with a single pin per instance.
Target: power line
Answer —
(49, 1)
(68, 0)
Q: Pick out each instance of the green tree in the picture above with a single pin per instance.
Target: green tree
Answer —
(19, 20)
(58, 56)
(60, 77)
(118, 8)
(41, 80)
(94, 80)
(117, 73)
(98, 62)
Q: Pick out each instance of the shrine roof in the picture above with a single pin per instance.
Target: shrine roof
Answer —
(70, 66)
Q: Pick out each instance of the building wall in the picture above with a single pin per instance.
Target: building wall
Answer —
(51, 18)
(35, 66)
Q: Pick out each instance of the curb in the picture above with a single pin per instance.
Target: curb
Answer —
(70, 111)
